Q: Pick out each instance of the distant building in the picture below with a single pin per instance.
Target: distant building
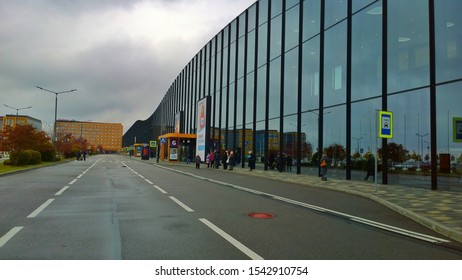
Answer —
(107, 135)
(13, 120)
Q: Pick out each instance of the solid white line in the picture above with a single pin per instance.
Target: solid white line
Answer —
(62, 190)
(73, 181)
(160, 189)
(185, 207)
(390, 228)
(141, 176)
(41, 208)
(9, 235)
(149, 182)
(244, 249)
(80, 176)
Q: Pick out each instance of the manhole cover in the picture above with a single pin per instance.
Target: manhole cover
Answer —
(258, 215)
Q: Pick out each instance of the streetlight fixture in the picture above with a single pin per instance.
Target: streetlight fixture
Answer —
(17, 112)
(56, 114)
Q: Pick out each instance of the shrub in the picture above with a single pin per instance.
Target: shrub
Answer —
(7, 162)
(25, 157)
(36, 157)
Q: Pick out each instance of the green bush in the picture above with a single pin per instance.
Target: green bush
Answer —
(25, 157)
(47, 156)
(7, 162)
(36, 157)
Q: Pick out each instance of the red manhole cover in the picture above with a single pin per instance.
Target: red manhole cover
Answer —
(260, 215)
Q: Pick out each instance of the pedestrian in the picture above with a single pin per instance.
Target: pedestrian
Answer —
(198, 161)
(188, 158)
(231, 160)
(289, 163)
(212, 159)
(78, 155)
(370, 167)
(207, 160)
(323, 166)
(84, 155)
(224, 159)
(251, 160)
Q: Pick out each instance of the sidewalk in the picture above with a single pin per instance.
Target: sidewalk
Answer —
(438, 210)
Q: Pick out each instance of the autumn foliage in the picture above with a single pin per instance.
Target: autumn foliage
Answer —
(26, 137)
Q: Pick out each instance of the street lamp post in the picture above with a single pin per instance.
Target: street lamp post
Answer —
(17, 112)
(56, 115)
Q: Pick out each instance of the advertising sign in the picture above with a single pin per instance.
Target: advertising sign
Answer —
(385, 124)
(173, 149)
(201, 135)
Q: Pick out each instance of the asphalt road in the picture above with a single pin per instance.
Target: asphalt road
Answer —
(112, 207)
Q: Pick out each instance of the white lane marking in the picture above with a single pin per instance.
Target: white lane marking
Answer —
(244, 249)
(80, 176)
(73, 181)
(62, 190)
(41, 208)
(149, 182)
(141, 176)
(160, 189)
(9, 235)
(185, 207)
(371, 223)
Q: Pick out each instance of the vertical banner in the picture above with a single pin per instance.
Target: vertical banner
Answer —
(179, 122)
(202, 127)
(173, 149)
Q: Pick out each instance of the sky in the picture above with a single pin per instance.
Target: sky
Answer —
(121, 56)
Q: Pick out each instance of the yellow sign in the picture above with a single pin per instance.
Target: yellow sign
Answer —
(152, 144)
(385, 124)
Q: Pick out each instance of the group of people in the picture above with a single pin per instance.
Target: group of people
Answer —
(370, 167)
(227, 160)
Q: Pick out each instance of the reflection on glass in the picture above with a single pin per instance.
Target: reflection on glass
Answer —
(449, 136)
(407, 155)
(310, 75)
(309, 157)
(335, 66)
(334, 132)
(291, 82)
(366, 57)
(448, 40)
(408, 52)
(275, 88)
(292, 26)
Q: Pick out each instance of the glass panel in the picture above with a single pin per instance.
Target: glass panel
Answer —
(291, 3)
(363, 138)
(310, 75)
(263, 11)
(408, 53)
(275, 88)
(240, 102)
(242, 25)
(273, 144)
(336, 11)
(448, 40)
(251, 52)
(291, 82)
(407, 149)
(334, 141)
(233, 30)
(276, 8)
(225, 36)
(225, 67)
(249, 101)
(259, 144)
(223, 108)
(276, 37)
(292, 24)
(241, 61)
(290, 143)
(366, 57)
(232, 63)
(335, 65)
(231, 106)
(252, 17)
(309, 154)
(261, 93)
(311, 18)
(449, 137)
(262, 44)
(359, 4)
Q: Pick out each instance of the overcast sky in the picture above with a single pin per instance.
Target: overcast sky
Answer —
(120, 55)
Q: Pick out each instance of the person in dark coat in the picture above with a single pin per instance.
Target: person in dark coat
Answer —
(251, 161)
(370, 168)
(231, 160)
(198, 161)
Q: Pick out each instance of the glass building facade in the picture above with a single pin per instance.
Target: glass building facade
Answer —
(299, 78)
